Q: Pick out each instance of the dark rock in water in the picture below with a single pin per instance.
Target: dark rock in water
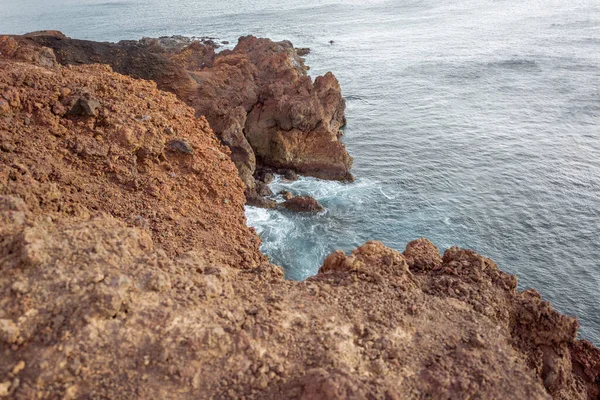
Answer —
(259, 201)
(303, 51)
(268, 177)
(290, 175)
(286, 195)
(303, 204)
(225, 42)
(181, 146)
(264, 175)
(331, 42)
(85, 107)
(263, 189)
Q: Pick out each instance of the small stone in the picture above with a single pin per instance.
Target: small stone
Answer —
(290, 175)
(5, 109)
(9, 332)
(181, 146)
(58, 109)
(286, 195)
(85, 107)
(20, 287)
(140, 222)
(19, 367)
(263, 189)
(7, 147)
(64, 92)
(4, 389)
(477, 340)
(303, 51)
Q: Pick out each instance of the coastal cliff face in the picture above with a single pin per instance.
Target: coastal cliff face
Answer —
(127, 271)
(257, 97)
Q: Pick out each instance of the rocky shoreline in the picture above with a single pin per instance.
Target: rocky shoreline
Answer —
(127, 269)
(257, 97)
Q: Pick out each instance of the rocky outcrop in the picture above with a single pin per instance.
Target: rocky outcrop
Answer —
(87, 140)
(127, 271)
(257, 97)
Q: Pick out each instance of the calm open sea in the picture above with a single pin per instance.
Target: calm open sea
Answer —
(472, 122)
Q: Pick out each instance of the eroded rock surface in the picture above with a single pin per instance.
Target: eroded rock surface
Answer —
(127, 271)
(257, 97)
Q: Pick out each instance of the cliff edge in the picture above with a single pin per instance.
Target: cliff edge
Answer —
(127, 271)
(257, 97)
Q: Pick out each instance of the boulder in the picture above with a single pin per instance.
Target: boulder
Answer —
(286, 195)
(303, 204)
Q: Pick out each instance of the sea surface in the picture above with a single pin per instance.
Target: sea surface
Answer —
(472, 122)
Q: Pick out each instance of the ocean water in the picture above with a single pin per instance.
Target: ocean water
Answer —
(472, 122)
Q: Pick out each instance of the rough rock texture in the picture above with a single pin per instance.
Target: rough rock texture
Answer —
(303, 204)
(140, 155)
(257, 98)
(126, 271)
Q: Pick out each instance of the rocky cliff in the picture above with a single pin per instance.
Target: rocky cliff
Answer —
(127, 271)
(257, 97)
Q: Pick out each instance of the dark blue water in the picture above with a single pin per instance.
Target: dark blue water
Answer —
(472, 122)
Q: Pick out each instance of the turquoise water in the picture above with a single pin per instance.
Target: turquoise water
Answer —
(472, 123)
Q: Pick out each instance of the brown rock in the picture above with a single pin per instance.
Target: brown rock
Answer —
(289, 175)
(264, 175)
(263, 189)
(85, 107)
(303, 204)
(180, 146)
(260, 201)
(421, 254)
(286, 195)
(5, 109)
(302, 51)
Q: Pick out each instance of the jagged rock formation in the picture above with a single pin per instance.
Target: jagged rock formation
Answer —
(257, 98)
(127, 271)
